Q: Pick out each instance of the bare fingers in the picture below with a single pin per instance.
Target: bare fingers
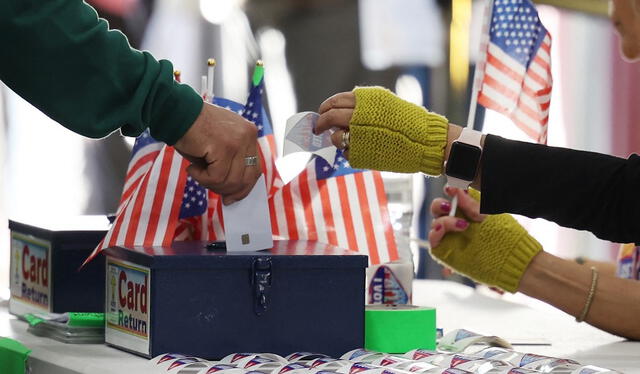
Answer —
(467, 204)
(443, 225)
(340, 100)
(339, 118)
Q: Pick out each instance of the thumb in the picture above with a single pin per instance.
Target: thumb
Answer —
(469, 206)
(198, 172)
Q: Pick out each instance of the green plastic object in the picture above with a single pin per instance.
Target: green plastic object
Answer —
(74, 319)
(32, 319)
(13, 356)
(399, 328)
(258, 74)
(86, 319)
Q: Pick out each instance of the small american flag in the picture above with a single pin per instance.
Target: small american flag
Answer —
(156, 192)
(516, 79)
(338, 205)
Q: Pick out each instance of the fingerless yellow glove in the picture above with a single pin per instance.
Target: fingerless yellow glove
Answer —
(388, 133)
(495, 251)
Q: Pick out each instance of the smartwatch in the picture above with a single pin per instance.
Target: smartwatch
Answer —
(464, 157)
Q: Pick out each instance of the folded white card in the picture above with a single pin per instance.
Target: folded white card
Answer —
(247, 224)
(299, 137)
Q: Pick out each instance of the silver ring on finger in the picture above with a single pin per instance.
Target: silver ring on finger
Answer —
(344, 144)
(251, 161)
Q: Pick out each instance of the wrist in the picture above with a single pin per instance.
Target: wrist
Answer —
(186, 140)
(537, 272)
(453, 134)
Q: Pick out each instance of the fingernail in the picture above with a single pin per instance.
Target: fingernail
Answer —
(445, 206)
(438, 227)
(466, 191)
(447, 190)
(462, 224)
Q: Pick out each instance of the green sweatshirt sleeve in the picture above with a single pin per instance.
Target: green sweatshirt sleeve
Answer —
(59, 56)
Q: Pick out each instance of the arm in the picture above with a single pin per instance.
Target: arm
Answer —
(497, 251)
(576, 189)
(62, 58)
(565, 285)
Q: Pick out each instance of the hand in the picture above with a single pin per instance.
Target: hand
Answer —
(494, 250)
(386, 132)
(334, 112)
(217, 144)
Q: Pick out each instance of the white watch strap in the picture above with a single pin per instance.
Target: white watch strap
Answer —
(468, 136)
(457, 183)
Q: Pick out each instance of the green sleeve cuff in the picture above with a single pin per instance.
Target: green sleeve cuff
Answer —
(176, 114)
(435, 142)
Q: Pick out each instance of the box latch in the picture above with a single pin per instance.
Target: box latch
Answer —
(261, 281)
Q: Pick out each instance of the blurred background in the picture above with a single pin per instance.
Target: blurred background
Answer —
(424, 50)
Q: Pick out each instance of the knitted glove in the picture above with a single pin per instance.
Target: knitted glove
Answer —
(388, 133)
(495, 251)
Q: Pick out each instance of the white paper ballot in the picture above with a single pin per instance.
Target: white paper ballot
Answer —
(247, 224)
(299, 137)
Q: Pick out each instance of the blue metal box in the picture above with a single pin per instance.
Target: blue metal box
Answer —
(45, 258)
(297, 296)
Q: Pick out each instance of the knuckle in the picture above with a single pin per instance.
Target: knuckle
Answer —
(333, 101)
(251, 130)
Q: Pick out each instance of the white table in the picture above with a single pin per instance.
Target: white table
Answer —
(457, 306)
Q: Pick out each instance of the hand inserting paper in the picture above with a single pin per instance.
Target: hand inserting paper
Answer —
(217, 145)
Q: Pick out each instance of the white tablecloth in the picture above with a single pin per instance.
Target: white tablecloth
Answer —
(457, 306)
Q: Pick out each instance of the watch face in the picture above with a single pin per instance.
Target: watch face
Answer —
(463, 161)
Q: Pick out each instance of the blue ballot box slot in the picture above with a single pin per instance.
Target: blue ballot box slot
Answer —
(185, 298)
(45, 258)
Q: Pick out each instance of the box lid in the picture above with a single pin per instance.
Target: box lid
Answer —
(194, 254)
(62, 223)
(75, 228)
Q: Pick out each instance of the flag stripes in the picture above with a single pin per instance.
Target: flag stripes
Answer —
(516, 76)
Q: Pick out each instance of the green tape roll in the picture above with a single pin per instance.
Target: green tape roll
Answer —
(399, 328)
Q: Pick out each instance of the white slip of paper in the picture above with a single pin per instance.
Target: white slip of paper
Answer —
(299, 137)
